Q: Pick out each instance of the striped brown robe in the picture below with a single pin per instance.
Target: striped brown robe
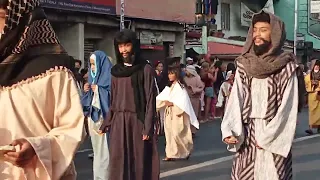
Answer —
(245, 158)
(243, 165)
(275, 70)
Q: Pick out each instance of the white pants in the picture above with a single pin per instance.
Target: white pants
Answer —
(100, 151)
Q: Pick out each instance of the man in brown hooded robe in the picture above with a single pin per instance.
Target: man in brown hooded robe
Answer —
(261, 114)
(131, 117)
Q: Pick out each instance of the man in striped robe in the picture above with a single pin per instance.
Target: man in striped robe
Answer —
(261, 114)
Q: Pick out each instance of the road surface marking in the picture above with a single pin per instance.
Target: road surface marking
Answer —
(216, 161)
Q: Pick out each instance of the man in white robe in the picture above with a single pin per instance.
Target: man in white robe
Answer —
(261, 114)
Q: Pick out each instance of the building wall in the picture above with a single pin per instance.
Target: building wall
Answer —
(288, 17)
(74, 31)
(235, 22)
(71, 37)
(166, 10)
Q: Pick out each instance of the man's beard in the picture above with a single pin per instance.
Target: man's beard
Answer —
(128, 59)
(262, 48)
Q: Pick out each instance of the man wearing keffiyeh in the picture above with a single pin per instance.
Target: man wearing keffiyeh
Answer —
(41, 124)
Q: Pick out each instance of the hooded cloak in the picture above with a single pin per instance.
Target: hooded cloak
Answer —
(135, 71)
(277, 67)
(101, 78)
(28, 44)
(271, 62)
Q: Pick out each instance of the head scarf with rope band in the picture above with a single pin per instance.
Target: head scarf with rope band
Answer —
(34, 27)
(28, 43)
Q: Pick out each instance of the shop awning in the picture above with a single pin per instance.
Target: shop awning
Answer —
(215, 48)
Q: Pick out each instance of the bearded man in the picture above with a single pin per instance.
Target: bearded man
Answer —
(130, 121)
(261, 114)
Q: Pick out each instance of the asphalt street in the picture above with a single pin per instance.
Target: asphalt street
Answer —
(211, 160)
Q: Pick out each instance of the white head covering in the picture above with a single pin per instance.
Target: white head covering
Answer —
(192, 70)
(229, 73)
(189, 59)
(94, 57)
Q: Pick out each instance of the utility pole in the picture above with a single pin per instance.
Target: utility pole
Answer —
(122, 27)
(295, 27)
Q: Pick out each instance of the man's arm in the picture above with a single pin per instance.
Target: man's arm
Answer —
(149, 88)
(107, 122)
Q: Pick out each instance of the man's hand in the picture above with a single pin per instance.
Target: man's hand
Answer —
(86, 87)
(24, 156)
(93, 87)
(231, 140)
(167, 103)
(145, 137)
(258, 146)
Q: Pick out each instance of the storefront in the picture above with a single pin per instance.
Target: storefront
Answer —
(82, 30)
(159, 45)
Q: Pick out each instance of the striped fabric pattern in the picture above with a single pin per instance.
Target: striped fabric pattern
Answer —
(39, 32)
(36, 32)
(243, 165)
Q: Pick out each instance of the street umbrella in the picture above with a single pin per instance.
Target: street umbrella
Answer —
(191, 53)
(255, 5)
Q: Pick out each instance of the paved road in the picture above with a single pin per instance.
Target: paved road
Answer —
(210, 159)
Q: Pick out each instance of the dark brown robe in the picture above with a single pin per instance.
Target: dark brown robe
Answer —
(131, 158)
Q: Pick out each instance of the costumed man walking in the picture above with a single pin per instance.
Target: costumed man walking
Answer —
(41, 122)
(96, 103)
(261, 114)
(312, 84)
(133, 149)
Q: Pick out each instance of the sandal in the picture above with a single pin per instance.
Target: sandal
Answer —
(309, 132)
(188, 157)
(167, 159)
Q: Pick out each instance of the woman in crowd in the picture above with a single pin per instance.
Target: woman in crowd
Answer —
(179, 114)
(225, 91)
(208, 78)
(194, 88)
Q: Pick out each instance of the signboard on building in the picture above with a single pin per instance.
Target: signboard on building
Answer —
(246, 13)
(151, 40)
(314, 7)
(91, 6)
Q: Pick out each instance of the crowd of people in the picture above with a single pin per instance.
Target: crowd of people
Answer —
(125, 106)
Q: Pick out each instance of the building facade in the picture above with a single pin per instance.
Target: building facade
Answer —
(233, 20)
(308, 25)
(84, 26)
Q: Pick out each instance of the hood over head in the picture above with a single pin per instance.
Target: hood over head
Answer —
(278, 36)
(271, 62)
(103, 67)
(128, 36)
(314, 62)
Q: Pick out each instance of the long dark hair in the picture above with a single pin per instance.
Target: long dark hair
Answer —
(316, 63)
(177, 71)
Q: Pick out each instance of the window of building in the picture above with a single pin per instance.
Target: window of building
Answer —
(225, 16)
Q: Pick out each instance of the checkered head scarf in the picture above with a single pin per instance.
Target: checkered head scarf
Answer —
(32, 24)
